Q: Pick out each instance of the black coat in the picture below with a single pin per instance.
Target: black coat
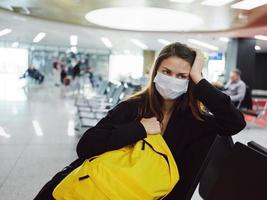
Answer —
(188, 138)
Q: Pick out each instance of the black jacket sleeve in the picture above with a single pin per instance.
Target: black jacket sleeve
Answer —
(118, 129)
(226, 119)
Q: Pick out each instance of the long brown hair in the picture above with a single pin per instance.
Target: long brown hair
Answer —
(152, 101)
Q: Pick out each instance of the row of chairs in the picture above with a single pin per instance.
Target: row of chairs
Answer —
(254, 107)
(107, 95)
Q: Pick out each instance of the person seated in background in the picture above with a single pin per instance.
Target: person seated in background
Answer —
(235, 87)
(34, 73)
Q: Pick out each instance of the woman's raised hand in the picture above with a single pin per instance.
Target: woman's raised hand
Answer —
(196, 71)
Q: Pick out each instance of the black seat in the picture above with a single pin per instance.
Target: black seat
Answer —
(257, 147)
(219, 152)
(246, 103)
(243, 176)
(210, 165)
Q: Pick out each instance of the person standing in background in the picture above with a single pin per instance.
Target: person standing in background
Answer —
(76, 70)
(76, 77)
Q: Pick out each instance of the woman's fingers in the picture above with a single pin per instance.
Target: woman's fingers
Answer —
(151, 125)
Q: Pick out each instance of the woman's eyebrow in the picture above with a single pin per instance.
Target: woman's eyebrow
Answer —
(166, 68)
(185, 73)
(180, 73)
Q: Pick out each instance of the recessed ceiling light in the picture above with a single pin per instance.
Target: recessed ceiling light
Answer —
(257, 48)
(5, 31)
(216, 3)
(73, 40)
(164, 42)
(203, 44)
(139, 43)
(39, 37)
(15, 44)
(249, 4)
(260, 37)
(182, 1)
(106, 42)
(242, 16)
(224, 39)
(144, 19)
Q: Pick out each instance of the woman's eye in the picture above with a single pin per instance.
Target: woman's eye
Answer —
(166, 72)
(182, 77)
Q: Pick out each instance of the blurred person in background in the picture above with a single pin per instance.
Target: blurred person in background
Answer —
(235, 87)
(34, 74)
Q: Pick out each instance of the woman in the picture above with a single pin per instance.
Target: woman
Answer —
(171, 105)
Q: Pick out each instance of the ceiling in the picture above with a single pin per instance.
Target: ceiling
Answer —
(61, 18)
(74, 11)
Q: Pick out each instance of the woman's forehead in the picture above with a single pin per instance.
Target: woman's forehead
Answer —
(175, 64)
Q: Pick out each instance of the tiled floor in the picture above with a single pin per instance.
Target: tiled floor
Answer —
(37, 140)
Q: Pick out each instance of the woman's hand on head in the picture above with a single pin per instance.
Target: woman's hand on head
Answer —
(151, 125)
(196, 71)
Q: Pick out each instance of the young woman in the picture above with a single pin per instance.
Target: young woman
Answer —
(174, 104)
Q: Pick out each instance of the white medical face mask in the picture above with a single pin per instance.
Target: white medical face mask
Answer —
(169, 87)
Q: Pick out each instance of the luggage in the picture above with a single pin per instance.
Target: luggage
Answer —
(66, 81)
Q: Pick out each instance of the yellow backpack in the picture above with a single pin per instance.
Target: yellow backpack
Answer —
(143, 171)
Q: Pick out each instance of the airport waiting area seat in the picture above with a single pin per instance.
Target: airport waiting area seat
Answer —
(254, 107)
(258, 115)
(232, 171)
(107, 95)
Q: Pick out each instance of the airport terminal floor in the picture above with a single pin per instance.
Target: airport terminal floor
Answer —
(38, 139)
